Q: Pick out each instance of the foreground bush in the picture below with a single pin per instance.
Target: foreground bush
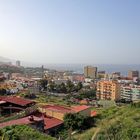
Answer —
(22, 132)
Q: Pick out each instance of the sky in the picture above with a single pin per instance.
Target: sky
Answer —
(70, 31)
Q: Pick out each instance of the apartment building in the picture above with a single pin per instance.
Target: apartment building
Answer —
(101, 74)
(126, 93)
(130, 93)
(108, 90)
(90, 72)
(132, 74)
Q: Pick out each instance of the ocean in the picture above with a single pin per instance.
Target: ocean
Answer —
(109, 68)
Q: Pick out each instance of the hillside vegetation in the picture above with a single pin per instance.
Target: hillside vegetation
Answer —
(115, 123)
(22, 132)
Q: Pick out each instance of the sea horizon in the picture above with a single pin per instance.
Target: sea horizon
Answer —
(109, 68)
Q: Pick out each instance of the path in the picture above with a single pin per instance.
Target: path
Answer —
(95, 133)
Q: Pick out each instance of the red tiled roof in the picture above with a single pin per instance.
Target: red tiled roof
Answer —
(93, 113)
(51, 122)
(57, 108)
(2, 97)
(16, 100)
(80, 108)
(21, 121)
(46, 106)
(66, 109)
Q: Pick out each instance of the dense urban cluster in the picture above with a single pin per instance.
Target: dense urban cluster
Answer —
(61, 104)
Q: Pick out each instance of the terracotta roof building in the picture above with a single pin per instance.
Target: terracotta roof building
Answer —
(17, 101)
(20, 121)
(51, 122)
(58, 112)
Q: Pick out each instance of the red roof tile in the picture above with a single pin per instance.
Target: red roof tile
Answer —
(16, 100)
(2, 97)
(93, 113)
(66, 109)
(21, 121)
(80, 108)
(58, 108)
(51, 122)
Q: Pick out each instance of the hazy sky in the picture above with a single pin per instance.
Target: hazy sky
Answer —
(71, 31)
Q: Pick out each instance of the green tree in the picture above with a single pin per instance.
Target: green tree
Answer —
(79, 86)
(70, 121)
(51, 86)
(44, 83)
(73, 121)
(69, 86)
(63, 88)
(86, 94)
(22, 132)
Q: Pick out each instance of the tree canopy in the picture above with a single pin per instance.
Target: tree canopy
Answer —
(77, 121)
(22, 132)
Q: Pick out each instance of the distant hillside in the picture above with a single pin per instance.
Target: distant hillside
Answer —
(11, 68)
(5, 66)
(4, 60)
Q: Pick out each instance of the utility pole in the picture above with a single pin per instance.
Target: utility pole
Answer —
(42, 71)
